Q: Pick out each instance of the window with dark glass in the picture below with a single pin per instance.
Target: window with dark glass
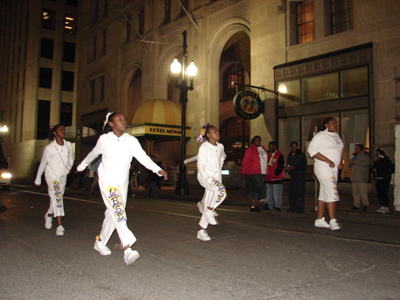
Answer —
(67, 82)
(305, 21)
(72, 2)
(167, 11)
(43, 120)
(70, 24)
(45, 77)
(128, 28)
(49, 19)
(342, 15)
(69, 52)
(94, 47)
(141, 21)
(46, 48)
(66, 114)
(185, 4)
(101, 84)
(104, 42)
(234, 73)
(92, 90)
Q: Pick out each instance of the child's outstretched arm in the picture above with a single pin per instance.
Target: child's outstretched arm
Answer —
(96, 151)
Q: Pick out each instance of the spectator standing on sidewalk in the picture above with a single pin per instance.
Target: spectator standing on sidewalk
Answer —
(326, 147)
(255, 166)
(297, 168)
(360, 165)
(275, 172)
(382, 169)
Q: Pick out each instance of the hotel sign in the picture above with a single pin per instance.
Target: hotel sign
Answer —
(146, 129)
(247, 104)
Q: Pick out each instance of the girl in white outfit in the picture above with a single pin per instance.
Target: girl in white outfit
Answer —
(210, 160)
(327, 147)
(56, 163)
(117, 149)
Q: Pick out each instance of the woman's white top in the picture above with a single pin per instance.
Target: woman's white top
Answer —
(56, 161)
(263, 160)
(117, 153)
(210, 161)
(328, 144)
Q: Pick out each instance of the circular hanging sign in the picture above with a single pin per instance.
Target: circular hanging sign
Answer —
(247, 104)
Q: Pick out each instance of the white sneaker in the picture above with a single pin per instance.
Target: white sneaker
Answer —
(47, 221)
(215, 213)
(262, 200)
(202, 235)
(212, 220)
(321, 223)
(130, 256)
(381, 210)
(101, 248)
(60, 231)
(333, 225)
(200, 206)
(385, 210)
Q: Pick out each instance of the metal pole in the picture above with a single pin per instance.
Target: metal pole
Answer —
(182, 184)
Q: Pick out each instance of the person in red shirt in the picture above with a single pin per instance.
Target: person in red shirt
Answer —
(255, 166)
(275, 172)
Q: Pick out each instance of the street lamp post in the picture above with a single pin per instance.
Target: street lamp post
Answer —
(190, 71)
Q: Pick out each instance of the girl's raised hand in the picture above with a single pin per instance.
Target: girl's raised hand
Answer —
(163, 173)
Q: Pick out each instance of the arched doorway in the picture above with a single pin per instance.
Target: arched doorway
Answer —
(234, 67)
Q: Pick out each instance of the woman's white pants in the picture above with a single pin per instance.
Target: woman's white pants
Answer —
(56, 189)
(214, 195)
(114, 198)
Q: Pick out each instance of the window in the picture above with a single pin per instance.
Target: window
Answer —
(66, 114)
(101, 84)
(128, 28)
(45, 77)
(49, 19)
(94, 47)
(167, 12)
(185, 5)
(67, 83)
(234, 73)
(104, 42)
(319, 88)
(92, 90)
(234, 135)
(70, 24)
(141, 21)
(305, 22)
(46, 48)
(352, 83)
(342, 15)
(72, 3)
(43, 120)
(69, 52)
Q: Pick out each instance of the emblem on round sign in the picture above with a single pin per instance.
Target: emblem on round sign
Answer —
(247, 104)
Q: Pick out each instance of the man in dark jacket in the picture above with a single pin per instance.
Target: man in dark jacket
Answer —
(297, 168)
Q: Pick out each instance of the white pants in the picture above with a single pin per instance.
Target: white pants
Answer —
(327, 178)
(214, 195)
(56, 189)
(114, 198)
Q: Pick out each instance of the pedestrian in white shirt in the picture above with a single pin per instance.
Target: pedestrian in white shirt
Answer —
(326, 147)
(210, 160)
(117, 149)
(56, 163)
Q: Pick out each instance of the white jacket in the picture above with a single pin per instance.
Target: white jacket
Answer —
(117, 156)
(56, 161)
(328, 144)
(210, 161)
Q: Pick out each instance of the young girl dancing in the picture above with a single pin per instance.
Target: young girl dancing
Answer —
(56, 163)
(210, 160)
(117, 149)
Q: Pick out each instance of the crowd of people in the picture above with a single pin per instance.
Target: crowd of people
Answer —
(266, 170)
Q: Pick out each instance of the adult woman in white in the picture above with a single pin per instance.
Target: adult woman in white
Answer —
(326, 147)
